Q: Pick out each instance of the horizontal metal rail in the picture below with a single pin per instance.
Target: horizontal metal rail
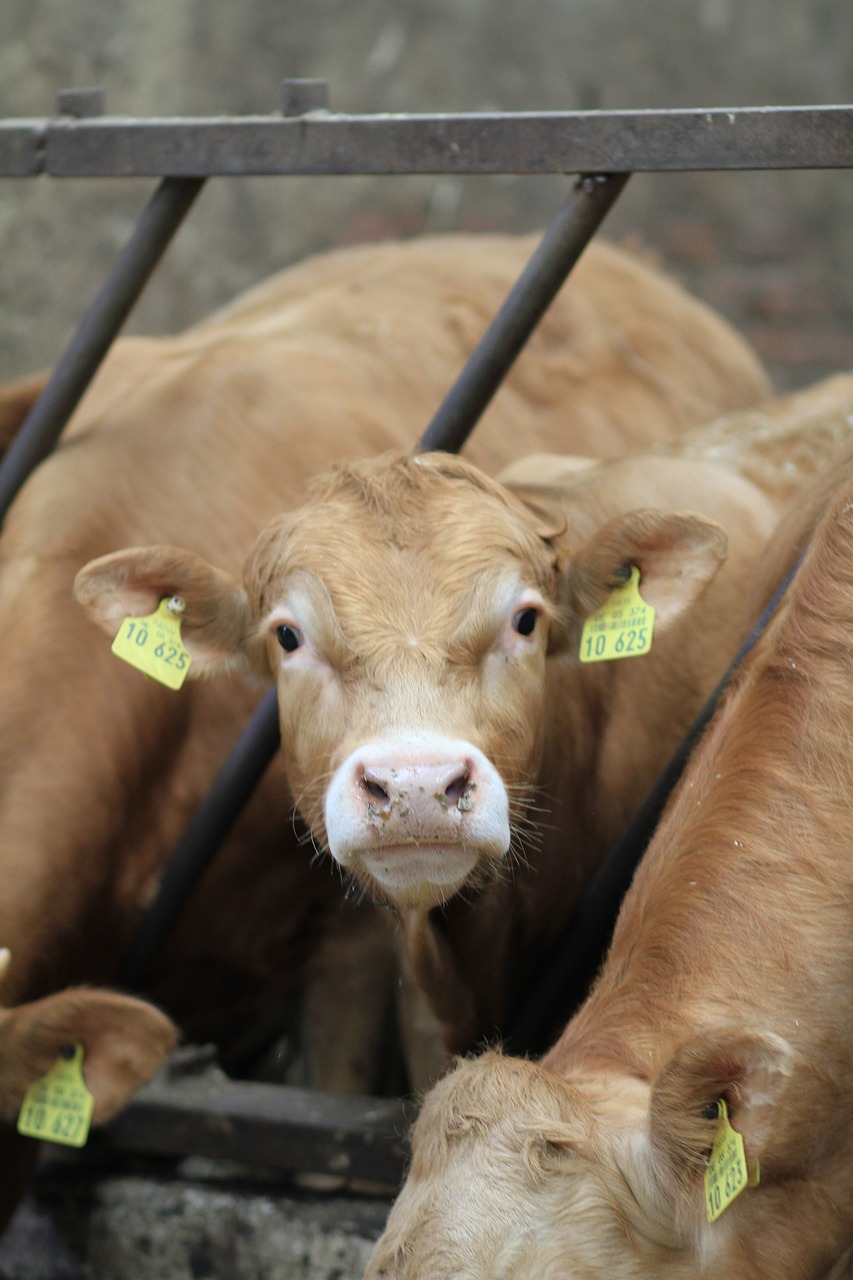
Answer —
(806, 137)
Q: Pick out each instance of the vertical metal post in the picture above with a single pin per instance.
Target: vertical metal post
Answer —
(221, 807)
(532, 294)
(158, 223)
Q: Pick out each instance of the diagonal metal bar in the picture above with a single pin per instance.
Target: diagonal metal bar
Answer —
(231, 790)
(561, 246)
(159, 221)
(528, 300)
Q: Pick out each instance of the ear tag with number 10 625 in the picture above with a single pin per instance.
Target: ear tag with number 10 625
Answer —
(58, 1107)
(726, 1174)
(621, 628)
(153, 644)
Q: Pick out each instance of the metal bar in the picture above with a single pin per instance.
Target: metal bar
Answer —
(526, 303)
(76, 367)
(807, 137)
(22, 144)
(565, 970)
(229, 793)
(264, 1125)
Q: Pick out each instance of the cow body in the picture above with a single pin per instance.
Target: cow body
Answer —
(729, 978)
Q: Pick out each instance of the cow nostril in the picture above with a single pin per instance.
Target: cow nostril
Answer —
(458, 788)
(376, 791)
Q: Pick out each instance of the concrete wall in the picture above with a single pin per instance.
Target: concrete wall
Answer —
(772, 250)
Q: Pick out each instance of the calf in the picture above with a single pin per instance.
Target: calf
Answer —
(729, 980)
(199, 440)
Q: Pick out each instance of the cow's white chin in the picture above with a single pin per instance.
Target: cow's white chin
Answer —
(420, 875)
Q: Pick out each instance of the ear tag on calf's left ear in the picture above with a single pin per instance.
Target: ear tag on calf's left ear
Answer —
(726, 1174)
(153, 644)
(621, 628)
(58, 1107)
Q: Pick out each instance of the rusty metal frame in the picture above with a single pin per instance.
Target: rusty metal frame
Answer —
(309, 140)
(317, 142)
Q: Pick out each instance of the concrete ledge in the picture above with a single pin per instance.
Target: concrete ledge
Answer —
(200, 1221)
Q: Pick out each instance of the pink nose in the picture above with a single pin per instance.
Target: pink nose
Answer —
(418, 809)
(414, 790)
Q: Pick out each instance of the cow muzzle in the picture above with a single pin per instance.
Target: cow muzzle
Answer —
(417, 817)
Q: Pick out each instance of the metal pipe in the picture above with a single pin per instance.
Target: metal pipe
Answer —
(78, 364)
(231, 790)
(526, 303)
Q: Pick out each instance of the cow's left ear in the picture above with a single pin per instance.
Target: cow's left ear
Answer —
(756, 1075)
(215, 623)
(677, 554)
(125, 1041)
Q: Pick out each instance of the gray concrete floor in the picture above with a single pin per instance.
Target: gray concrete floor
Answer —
(194, 1221)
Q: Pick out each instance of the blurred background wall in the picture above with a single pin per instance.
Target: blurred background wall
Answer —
(773, 251)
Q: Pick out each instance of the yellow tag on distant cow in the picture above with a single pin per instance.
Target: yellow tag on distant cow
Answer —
(622, 627)
(154, 645)
(726, 1175)
(58, 1108)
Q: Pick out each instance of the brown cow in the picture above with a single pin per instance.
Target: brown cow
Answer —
(440, 737)
(729, 979)
(199, 440)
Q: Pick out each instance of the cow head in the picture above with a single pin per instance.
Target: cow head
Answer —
(407, 613)
(519, 1172)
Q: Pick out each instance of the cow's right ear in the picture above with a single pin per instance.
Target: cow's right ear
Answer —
(758, 1076)
(215, 624)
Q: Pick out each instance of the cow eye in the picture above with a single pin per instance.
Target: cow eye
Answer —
(525, 621)
(289, 638)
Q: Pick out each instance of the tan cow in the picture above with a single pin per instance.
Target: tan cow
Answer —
(199, 440)
(729, 979)
(440, 736)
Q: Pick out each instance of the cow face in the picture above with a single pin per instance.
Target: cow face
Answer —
(519, 1173)
(512, 1178)
(408, 613)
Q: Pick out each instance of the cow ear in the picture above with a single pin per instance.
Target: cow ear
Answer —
(216, 622)
(125, 1041)
(753, 1074)
(677, 554)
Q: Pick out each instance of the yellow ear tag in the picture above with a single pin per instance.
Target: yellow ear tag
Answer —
(622, 627)
(154, 645)
(58, 1108)
(726, 1174)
